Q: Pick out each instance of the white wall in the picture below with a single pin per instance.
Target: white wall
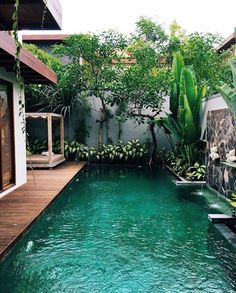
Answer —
(130, 130)
(215, 102)
(19, 136)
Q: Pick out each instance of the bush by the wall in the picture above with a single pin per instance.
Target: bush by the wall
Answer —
(130, 152)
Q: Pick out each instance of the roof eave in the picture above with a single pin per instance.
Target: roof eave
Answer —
(32, 69)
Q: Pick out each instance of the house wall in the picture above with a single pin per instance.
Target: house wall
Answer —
(19, 136)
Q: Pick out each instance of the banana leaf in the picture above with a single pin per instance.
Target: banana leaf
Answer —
(189, 130)
(200, 95)
(177, 67)
(170, 124)
(233, 68)
(188, 87)
(229, 96)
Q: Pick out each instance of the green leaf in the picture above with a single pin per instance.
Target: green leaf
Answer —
(229, 96)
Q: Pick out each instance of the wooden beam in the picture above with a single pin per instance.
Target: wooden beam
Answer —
(30, 14)
(51, 37)
(50, 139)
(62, 139)
(7, 44)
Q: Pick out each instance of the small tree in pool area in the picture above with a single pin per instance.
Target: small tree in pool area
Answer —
(93, 56)
(143, 85)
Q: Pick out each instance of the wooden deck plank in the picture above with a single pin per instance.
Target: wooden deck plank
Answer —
(20, 208)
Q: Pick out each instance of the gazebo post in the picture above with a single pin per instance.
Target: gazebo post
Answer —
(62, 134)
(50, 139)
(51, 160)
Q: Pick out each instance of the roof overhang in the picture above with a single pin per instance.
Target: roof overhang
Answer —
(31, 38)
(31, 14)
(227, 43)
(32, 69)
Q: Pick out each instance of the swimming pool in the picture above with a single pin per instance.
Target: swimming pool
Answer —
(123, 229)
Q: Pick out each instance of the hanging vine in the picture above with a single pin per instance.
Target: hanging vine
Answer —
(17, 66)
(44, 13)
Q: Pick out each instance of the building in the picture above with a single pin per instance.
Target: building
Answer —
(228, 43)
(12, 135)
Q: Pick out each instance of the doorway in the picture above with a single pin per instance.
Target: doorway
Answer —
(7, 150)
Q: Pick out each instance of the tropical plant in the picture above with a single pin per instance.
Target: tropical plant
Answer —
(185, 100)
(228, 93)
(178, 164)
(36, 146)
(196, 172)
(132, 151)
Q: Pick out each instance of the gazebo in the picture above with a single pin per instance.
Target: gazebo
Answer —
(49, 159)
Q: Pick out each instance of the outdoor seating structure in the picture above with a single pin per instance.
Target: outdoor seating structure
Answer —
(49, 159)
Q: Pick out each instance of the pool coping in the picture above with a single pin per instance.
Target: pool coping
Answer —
(227, 233)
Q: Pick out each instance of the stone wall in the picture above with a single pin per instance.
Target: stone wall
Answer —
(221, 132)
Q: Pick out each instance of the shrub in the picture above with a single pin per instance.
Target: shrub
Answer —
(133, 151)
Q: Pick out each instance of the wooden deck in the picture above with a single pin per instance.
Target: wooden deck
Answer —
(20, 208)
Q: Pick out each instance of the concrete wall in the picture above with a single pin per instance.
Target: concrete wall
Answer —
(19, 136)
(215, 102)
(130, 130)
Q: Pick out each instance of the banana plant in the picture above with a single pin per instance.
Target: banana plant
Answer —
(185, 101)
(228, 93)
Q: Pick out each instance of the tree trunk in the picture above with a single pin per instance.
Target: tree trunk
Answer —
(154, 143)
(107, 131)
(101, 122)
(100, 134)
(119, 131)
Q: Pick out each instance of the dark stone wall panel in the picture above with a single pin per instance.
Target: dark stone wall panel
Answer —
(221, 132)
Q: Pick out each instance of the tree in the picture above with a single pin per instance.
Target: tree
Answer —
(59, 98)
(144, 84)
(229, 93)
(94, 55)
(210, 66)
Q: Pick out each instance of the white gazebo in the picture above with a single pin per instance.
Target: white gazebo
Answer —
(49, 160)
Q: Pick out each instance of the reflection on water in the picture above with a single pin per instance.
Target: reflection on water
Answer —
(124, 229)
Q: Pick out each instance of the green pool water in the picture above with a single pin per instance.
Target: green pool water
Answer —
(123, 229)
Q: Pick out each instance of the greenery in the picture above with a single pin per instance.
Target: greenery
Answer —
(130, 152)
(210, 66)
(177, 162)
(185, 100)
(92, 56)
(97, 70)
(228, 93)
(144, 84)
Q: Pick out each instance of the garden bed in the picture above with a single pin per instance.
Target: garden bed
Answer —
(181, 181)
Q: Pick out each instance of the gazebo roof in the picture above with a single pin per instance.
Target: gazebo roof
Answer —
(42, 115)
